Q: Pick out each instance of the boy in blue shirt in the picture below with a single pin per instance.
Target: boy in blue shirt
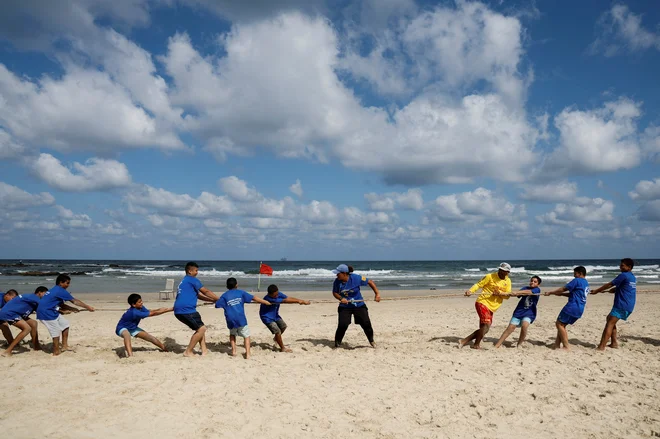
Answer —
(48, 312)
(625, 294)
(578, 289)
(270, 315)
(525, 312)
(4, 298)
(17, 313)
(127, 326)
(185, 307)
(233, 301)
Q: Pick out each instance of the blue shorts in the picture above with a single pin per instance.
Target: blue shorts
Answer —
(133, 332)
(518, 322)
(620, 313)
(566, 319)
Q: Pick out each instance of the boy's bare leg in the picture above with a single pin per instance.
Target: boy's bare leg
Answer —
(557, 343)
(462, 342)
(65, 339)
(127, 343)
(56, 346)
(144, 335)
(196, 338)
(247, 347)
(34, 333)
(481, 333)
(202, 345)
(507, 332)
(25, 330)
(615, 341)
(609, 333)
(232, 342)
(562, 335)
(7, 333)
(280, 342)
(523, 333)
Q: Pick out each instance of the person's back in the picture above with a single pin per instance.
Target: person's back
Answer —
(22, 305)
(233, 302)
(578, 290)
(625, 294)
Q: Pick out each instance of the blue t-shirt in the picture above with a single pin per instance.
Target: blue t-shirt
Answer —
(49, 305)
(351, 289)
(2, 299)
(527, 304)
(271, 313)
(578, 289)
(20, 307)
(131, 318)
(626, 291)
(232, 302)
(186, 295)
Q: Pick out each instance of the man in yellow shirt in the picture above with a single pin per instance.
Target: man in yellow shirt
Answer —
(495, 287)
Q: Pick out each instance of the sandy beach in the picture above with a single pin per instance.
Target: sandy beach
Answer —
(416, 384)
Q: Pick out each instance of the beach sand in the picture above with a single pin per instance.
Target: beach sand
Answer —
(416, 384)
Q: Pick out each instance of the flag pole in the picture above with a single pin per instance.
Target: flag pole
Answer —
(259, 282)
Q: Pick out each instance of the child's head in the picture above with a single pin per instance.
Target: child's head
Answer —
(580, 271)
(40, 291)
(192, 268)
(272, 290)
(232, 283)
(350, 269)
(535, 281)
(626, 264)
(10, 295)
(135, 300)
(63, 280)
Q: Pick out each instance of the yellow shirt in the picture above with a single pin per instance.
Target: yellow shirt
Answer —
(491, 283)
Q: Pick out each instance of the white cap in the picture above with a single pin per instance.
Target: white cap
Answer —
(505, 267)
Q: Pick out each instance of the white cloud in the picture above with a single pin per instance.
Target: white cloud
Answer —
(37, 225)
(95, 175)
(238, 189)
(649, 211)
(480, 204)
(600, 140)
(296, 188)
(561, 192)
(9, 149)
(621, 31)
(145, 198)
(583, 210)
(610, 233)
(410, 200)
(646, 190)
(13, 198)
(308, 113)
(651, 142)
(111, 229)
(84, 110)
(72, 220)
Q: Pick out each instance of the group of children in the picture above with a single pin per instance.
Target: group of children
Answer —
(49, 305)
(496, 287)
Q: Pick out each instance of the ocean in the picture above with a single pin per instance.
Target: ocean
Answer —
(122, 276)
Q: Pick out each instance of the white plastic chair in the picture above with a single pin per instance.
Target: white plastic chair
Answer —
(169, 289)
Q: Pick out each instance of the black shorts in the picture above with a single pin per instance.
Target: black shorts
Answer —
(192, 320)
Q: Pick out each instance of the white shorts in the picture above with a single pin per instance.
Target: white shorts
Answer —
(241, 331)
(55, 327)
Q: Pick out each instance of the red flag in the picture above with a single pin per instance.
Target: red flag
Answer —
(265, 269)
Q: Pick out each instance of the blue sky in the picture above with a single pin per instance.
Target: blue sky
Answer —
(389, 129)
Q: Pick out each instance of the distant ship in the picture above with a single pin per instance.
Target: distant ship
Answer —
(283, 259)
